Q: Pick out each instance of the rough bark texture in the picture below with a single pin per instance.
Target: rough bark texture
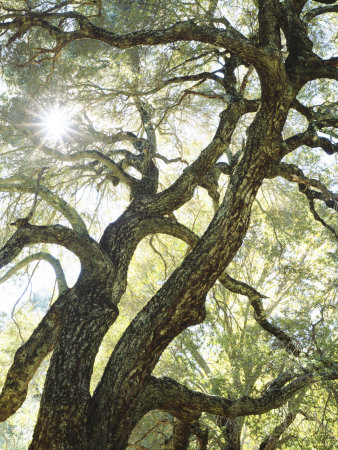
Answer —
(69, 417)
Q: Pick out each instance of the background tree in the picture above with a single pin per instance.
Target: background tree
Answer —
(124, 120)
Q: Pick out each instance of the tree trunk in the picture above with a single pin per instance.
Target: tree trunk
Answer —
(65, 401)
(67, 408)
(232, 434)
(69, 417)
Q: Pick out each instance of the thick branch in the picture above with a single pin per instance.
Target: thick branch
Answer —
(321, 68)
(168, 395)
(29, 357)
(168, 226)
(310, 139)
(319, 117)
(318, 11)
(85, 248)
(171, 227)
(229, 38)
(305, 110)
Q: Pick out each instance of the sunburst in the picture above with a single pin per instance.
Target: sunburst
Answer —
(55, 124)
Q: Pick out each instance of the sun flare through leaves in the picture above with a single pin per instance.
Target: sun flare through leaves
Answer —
(56, 124)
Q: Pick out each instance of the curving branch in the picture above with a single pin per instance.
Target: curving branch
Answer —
(255, 299)
(40, 256)
(20, 22)
(84, 247)
(182, 189)
(294, 174)
(168, 395)
(107, 162)
(319, 117)
(310, 15)
(154, 225)
(304, 110)
(28, 358)
(15, 184)
(311, 139)
(311, 195)
(168, 226)
(320, 68)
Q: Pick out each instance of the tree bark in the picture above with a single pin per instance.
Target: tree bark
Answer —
(69, 417)
(178, 304)
(65, 401)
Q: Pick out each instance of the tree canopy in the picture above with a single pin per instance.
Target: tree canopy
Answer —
(168, 210)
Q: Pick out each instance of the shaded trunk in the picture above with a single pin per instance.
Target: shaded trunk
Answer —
(232, 433)
(65, 401)
(182, 431)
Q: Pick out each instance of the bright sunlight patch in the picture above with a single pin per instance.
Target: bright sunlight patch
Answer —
(56, 124)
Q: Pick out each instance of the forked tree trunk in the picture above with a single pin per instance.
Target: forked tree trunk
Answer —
(69, 418)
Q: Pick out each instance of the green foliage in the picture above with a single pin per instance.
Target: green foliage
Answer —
(287, 256)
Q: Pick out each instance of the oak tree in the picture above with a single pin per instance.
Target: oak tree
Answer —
(107, 97)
